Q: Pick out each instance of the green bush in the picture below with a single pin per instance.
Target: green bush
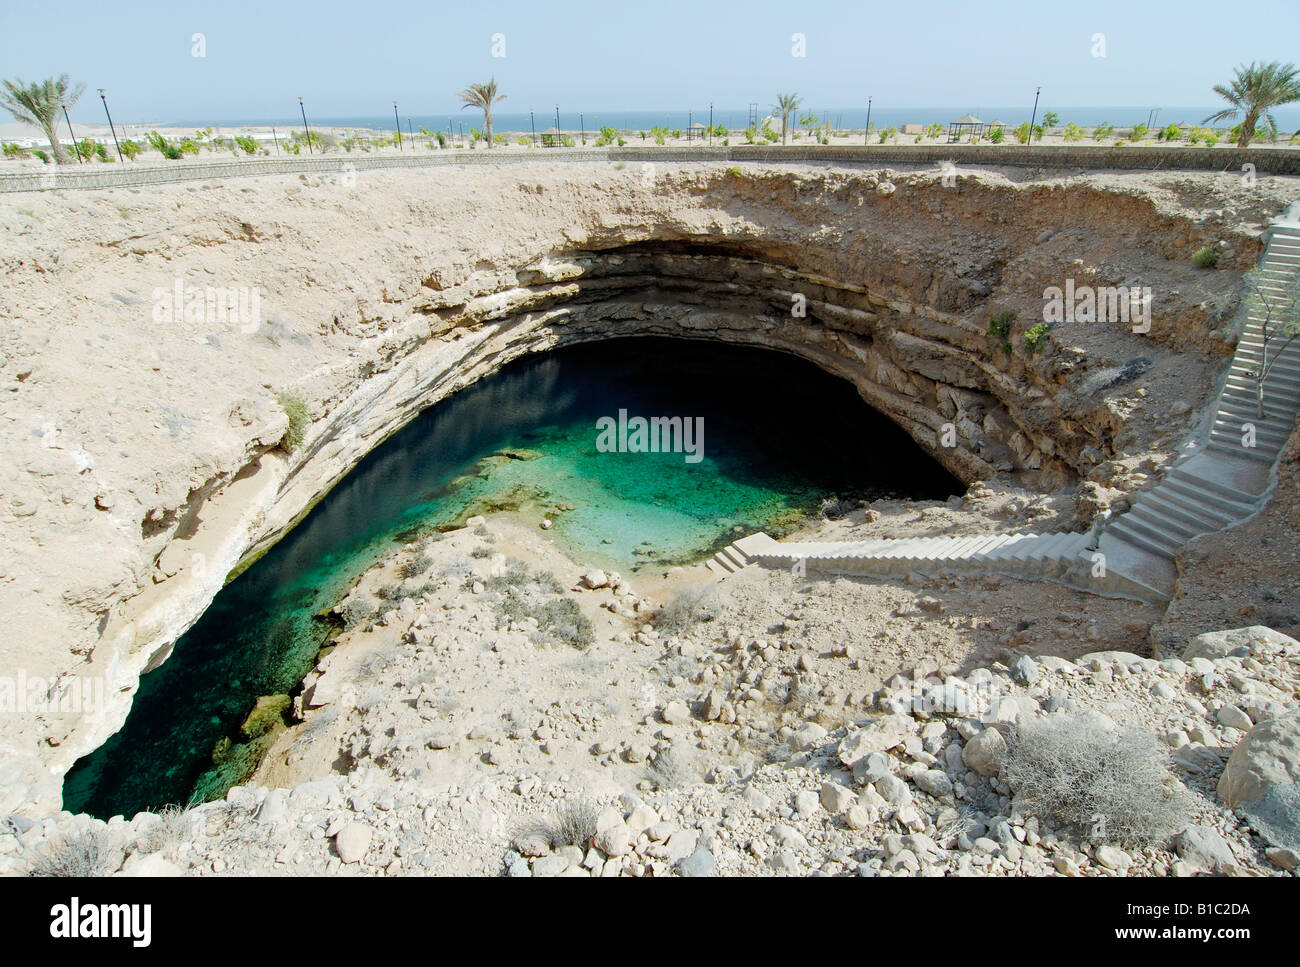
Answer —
(1072, 133)
(1022, 132)
(1000, 330)
(996, 135)
(660, 134)
(1205, 257)
(130, 149)
(248, 145)
(523, 139)
(14, 150)
(934, 130)
(607, 136)
(1139, 132)
(164, 147)
(1036, 337)
(1103, 131)
(296, 409)
(1171, 133)
(45, 158)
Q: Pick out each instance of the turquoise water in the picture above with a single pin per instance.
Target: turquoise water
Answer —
(521, 442)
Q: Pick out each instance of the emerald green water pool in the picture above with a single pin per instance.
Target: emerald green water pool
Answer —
(521, 442)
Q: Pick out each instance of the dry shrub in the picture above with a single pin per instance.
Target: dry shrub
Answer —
(1108, 785)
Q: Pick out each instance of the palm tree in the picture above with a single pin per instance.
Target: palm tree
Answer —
(483, 97)
(787, 104)
(1254, 91)
(39, 104)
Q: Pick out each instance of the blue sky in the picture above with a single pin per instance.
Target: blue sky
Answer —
(355, 58)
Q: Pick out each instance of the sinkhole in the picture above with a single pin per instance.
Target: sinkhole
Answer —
(548, 437)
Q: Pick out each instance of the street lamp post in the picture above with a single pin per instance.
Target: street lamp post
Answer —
(532, 122)
(558, 140)
(305, 126)
(411, 131)
(110, 124)
(75, 146)
(710, 123)
(1151, 116)
(399, 128)
(866, 134)
(1033, 117)
(582, 128)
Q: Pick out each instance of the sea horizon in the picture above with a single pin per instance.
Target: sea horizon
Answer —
(1288, 118)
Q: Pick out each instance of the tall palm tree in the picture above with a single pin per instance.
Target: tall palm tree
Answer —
(483, 97)
(787, 104)
(1254, 91)
(39, 104)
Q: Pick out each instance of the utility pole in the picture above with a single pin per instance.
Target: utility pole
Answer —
(304, 126)
(75, 147)
(110, 124)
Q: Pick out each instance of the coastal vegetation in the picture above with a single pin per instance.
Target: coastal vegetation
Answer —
(786, 104)
(40, 103)
(484, 97)
(1252, 94)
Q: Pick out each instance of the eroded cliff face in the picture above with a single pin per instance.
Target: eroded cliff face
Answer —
(143, 440)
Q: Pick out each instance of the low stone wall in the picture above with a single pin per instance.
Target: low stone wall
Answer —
(1275, 161)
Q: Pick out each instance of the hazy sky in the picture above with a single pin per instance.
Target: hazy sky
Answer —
(355, 58)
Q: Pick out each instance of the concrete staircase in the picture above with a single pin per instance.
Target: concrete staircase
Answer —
(1224, 477)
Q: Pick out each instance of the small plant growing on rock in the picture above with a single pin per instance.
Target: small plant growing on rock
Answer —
(357, 612)
(671, 770)
(415, 566)
(575, 824)
(1035, 337)
(687, 608)
(1000, 330)
(85, 853)
(1109, 785)
(1205, 257)
(296, 410)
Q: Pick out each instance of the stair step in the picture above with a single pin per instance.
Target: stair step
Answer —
(1266, 457)
(1190, 511)
(1263, 430)
(1187, 491)
(1138, 539)
(1161, 522)
(1211, 487)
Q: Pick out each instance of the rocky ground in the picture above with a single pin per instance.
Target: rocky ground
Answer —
(491, 708)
